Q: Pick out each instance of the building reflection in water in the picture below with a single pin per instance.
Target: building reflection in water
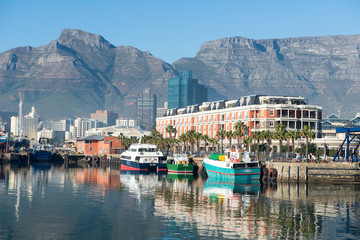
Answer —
(208, 208)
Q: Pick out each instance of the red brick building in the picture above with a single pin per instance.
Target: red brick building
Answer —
(97, 144)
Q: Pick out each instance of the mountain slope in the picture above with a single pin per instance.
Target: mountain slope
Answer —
(324, 69)
(76, 74)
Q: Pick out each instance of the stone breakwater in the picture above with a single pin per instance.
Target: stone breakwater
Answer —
(311, 172)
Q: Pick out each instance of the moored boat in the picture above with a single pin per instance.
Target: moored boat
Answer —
(234, 164)
(42, 151)
(142, 157)
(180, 164)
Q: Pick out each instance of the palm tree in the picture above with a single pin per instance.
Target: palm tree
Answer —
(257, 137)
(280, 131)
(268, 136)
(239, 131)
(171, 129)
(197, 138)
(247, 141)
(221, 134)
(121, 137)
(294, 135)
(308, 134)
(206, 139)
(176, 143)
(229, 136)
(155, 136)
(213, 141)
(183, 138)
(191, 138)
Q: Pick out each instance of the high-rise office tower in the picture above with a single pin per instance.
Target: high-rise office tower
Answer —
(185, 90)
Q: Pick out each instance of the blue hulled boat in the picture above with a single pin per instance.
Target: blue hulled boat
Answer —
(234, 165)
(42, 151)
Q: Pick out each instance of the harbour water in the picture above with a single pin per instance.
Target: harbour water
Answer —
(55, 202)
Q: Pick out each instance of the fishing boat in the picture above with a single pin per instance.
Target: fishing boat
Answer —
(3, 136)
(42, 151)
(180, 164)
(143, 157)
(234, 164)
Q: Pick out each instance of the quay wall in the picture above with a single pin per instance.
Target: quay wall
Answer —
(311, 172)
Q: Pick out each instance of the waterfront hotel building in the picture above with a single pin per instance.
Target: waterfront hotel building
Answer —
(258, 112)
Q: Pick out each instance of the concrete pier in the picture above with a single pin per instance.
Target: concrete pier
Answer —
(312, 172)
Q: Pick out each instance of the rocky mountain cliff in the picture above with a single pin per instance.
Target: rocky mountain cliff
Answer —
(326, 70)
(77, 74)
(81, 72)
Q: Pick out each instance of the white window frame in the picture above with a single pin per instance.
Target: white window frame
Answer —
(271, 123)
(272, 113)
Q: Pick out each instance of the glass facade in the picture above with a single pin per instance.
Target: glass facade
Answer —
(146, 110)
(185, 90)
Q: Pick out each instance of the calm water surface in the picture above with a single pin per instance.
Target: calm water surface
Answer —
(54, 202)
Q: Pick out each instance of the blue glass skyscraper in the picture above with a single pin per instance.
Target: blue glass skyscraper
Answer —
(185, 90)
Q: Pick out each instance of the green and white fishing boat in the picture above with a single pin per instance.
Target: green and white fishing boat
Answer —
(180, 164)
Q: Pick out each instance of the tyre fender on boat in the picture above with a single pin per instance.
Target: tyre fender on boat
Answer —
(273, 174)
(88, 158)
(265, 172)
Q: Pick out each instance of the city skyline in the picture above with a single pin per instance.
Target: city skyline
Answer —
(170, 30)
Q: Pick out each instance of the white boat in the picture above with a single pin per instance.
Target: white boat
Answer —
(143, 157)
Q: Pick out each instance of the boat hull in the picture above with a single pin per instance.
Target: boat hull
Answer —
(180, 168)
(162, 167)
(217, 169)
(135, 166)
(41, 156)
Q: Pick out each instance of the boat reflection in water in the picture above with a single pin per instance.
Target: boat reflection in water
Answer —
(140, 184)
(222, 189)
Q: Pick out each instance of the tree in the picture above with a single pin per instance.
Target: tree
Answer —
(206, 139)
(268, 136)
(171, 129)
(229, 136)
(213, 141)
(197, 137)
(280, 131)
(191, 138)
(308, 134)
(294, 135)
(183, 138)
(257, 137)
(239, 131)
(247, 141)
(221, 135)
(121, 137)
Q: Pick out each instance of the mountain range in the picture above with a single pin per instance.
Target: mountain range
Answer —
(81, 72)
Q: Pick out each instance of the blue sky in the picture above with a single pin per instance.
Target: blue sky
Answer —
(173, 29)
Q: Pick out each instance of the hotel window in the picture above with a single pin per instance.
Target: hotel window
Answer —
(262, 112)
(271, 112)
(271, 123)
(262, 124)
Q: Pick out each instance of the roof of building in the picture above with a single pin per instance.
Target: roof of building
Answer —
(242, 101)
(91, 138)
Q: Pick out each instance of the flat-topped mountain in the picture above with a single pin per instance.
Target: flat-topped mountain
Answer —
(81, 72)
(77, 74)
(326, 70)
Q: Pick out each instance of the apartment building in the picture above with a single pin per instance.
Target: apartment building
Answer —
(258, 112)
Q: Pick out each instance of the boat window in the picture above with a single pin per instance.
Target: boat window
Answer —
(238, 165)
(133, 150)
(137, 158)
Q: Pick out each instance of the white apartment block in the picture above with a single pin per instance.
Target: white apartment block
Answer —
(82, 125)
(28, 126)
(257, 112)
